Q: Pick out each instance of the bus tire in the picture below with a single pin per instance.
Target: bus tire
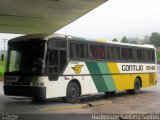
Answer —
(35, 99)
(72, 94)
(137, 87)
(110, 93)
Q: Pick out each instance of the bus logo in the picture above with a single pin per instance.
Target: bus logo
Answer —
(77, 68)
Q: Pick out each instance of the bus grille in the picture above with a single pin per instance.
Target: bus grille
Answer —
(20, 83)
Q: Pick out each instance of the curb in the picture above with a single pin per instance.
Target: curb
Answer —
(65, 107)
(102, 102)
(84, 105)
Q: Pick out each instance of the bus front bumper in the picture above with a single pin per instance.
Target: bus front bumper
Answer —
(28, 91)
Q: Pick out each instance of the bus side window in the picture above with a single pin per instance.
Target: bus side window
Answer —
(93, 52)
(74, 50)
(101, 54)
(139, 55)
(149, 56)
(127, 54)
(116, 53)
(83, 50)
(113, 53)
(130, 54)
(123, 53)
(153, 56)
(109, 53)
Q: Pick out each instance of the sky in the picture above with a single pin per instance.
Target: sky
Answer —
(113, 19)
(118, 18)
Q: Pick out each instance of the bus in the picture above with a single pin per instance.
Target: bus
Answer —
(45, 66)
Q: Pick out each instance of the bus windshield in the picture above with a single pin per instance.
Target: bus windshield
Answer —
(26, 57)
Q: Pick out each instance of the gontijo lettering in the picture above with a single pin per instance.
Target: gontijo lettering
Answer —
(132, 68)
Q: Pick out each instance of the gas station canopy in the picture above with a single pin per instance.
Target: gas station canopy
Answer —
(41, 16)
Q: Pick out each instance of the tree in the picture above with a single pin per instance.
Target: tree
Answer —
(155, 39)
(145, 40)
(134, 42)
(115, 40)
(124, 40)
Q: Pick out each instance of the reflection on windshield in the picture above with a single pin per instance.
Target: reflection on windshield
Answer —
(26, 57)
(15, 57)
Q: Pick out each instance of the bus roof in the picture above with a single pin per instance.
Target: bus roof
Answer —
(110, 42)
(127, 44)
(61, 36)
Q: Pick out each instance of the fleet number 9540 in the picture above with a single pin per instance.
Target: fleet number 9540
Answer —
(150, 68)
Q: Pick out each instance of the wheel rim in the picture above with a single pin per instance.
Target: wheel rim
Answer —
(72, 93)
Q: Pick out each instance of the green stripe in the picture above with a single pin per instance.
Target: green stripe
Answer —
(103, 83)
(98, 79)
(107, 78)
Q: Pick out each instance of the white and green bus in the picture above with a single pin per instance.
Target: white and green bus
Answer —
(48, 66)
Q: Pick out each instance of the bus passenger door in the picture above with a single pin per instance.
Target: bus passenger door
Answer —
(62, 60)
(53, 68)
(56, 63)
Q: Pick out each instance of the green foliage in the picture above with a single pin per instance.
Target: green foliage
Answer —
(133, 42)
(115, 40)
(155, 39)
(124, 40)
(158, 56)
(145, 40)
(2, 67)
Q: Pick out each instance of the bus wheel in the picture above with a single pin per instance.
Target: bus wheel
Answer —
(137, 87)
(72, 94)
